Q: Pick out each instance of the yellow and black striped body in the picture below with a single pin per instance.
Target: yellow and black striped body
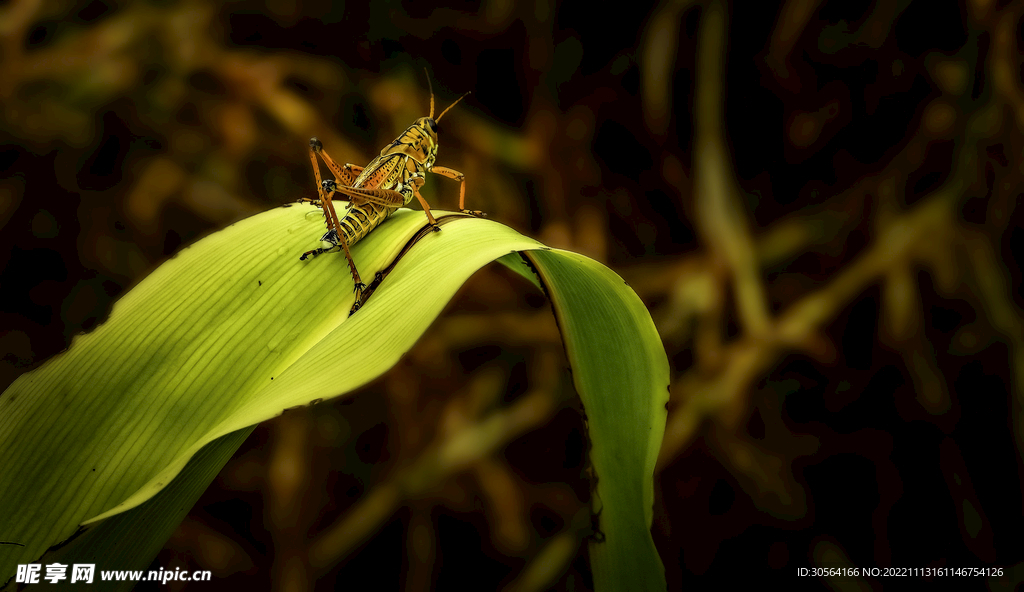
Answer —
(397, 167)
(358, 221)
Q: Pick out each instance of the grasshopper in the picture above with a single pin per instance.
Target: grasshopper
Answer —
(375, 191)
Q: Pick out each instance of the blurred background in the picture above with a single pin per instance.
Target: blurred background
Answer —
(817, 200)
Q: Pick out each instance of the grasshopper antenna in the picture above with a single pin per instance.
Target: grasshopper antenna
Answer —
(431, 87)
(438, 120)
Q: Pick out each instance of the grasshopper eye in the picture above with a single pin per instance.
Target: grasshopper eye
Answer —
(433, 124)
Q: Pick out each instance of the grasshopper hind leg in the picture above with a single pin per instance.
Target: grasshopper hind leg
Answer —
(331, 241)
(358, 286)
(334, 237)
(359, 298)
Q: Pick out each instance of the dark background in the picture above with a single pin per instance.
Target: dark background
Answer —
(888, 434)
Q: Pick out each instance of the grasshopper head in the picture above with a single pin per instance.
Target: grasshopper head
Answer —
(428, 125)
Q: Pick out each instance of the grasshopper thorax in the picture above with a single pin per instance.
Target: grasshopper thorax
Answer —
(428, 126)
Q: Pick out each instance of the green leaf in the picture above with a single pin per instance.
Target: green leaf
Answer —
(621, 373)
(121, 433)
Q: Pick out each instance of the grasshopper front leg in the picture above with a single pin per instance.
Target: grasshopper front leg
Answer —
(457, 176)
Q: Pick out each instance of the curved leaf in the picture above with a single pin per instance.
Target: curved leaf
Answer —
(227, 334)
